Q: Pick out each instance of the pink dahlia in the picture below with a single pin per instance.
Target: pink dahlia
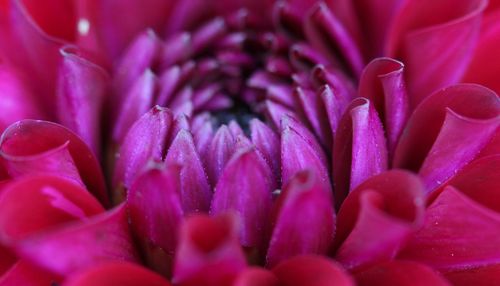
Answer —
(161, 142)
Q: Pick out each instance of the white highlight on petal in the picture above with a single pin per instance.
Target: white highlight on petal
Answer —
(83, 26)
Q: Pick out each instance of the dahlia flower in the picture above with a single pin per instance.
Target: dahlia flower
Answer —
(294, 142)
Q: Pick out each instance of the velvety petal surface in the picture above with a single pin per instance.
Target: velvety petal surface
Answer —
(24, 273)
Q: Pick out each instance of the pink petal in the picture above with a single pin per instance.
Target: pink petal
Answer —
(393, 201)
(17, 101)
(105, 237)
(383, 84)
(220, 151)
(209, 252)
(256, 276)
(116, 273)
(268, 144)
(195, 189)
(360, 149)
(438, 137)
(316, 115)
(34, 146)
(300, 151)
(304, 221)
(137, 102)
(311, 270)
(436, 49)
(82, 88)
(403, 273)
(168, 82)
(146, 140)
(154, 206)
(26, 274)
(24, 39)
(246, 182)
(52, 201)
(446, 241)
(482, 276)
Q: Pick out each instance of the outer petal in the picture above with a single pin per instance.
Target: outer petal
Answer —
(311, 270)
(24, 273)
(383, 84)
(25, 37)
(195, 190)
(392, 201)
(208, 252)
(154, 206)
(360, 150)
(116, 273)
(436, 49)
(81, 245)
(33, 146)
(146, 140)
(256, 276)
(304, 221)
(402, 273)
(438, 138)
(52, 201)
(17, 101)
(482, 276)
(446, 241)
(246, 182)
(82, 88)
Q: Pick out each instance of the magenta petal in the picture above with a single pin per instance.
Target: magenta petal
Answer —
(402, 273)
(116, 273)
(82, 88)
(316, 114)
(17, 101)
(325, 31)
(482, 276)
(168, 82)
(22, 43)
(449, 238)
(305, 219)
(107, 30)
(53, 201)
(145, 141)
(393, 201)
(154, 206)
(360, 149)
(383, 84)
(268, 144)
(438, 137)
(300, 151)
(34, 146)
(220, 151)
(136, 60)
(311, 270)
(256, 276)
(245, 183)
(450, 35)
(101, 238)
(26, 274)
(195, 189)
(203, 136)
(137, 101)
(209, 252)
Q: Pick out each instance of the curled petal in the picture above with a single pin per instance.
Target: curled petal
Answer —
(403, 273)
(446, 241)
(392, 201)
(52, 201)
(154, 206)
(34, 146)
(437, 141)
(105, 237)
(208, 252)
(116, 273)
(195, 189)
(145, 140)
(383, 84)
(246, 182)
(311, 270)
(304, 219)
(449, 35)
(220, 151)
(82, 88)
(360, 149)
(316, 114)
